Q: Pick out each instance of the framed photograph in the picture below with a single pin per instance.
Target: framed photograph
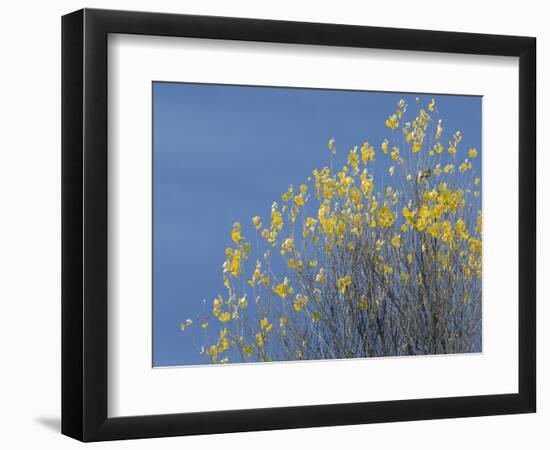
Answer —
(273, 224)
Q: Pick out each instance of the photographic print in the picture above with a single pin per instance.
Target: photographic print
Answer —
(296, 224)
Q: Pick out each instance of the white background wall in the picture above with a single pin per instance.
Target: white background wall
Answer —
(30, 222)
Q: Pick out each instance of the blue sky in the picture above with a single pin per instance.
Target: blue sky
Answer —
(223, 154)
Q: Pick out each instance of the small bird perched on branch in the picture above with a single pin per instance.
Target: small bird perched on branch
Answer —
(423, 175)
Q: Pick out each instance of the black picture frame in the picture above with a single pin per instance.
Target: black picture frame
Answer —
(84, 224)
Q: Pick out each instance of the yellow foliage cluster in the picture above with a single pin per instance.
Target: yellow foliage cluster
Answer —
(349, 247)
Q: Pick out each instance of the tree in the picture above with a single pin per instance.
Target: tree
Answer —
(345, 267)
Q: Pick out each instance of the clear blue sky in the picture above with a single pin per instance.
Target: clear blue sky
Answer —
(223, 154)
